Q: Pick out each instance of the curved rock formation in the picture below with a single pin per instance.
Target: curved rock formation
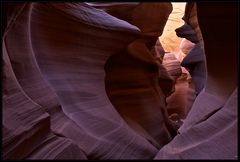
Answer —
(210, 129)
(133, 78)
(195, 58)
(59, 69)
(84, 81)
(58, 66)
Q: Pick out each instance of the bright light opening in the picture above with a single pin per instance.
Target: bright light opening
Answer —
(169, 40)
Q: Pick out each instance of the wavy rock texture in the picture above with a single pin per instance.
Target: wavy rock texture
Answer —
(194, 60)
(55, 103)
(210, 129)
(183, 96)
(134, 78)
(27, 99)
(181, 99)
(84, 81)
(188, 83)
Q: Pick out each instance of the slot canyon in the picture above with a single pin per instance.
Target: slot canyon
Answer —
(119, 80)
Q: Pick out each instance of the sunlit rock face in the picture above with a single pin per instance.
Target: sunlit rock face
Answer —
(88, 81)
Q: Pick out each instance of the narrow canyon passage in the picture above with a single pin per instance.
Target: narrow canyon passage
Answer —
(176, 48)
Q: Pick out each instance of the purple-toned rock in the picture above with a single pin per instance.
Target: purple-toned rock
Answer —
(210, 129)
